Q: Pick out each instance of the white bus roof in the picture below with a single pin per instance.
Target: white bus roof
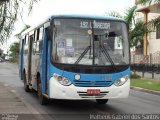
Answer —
(72, 16)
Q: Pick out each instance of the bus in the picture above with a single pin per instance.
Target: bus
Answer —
(76, 57)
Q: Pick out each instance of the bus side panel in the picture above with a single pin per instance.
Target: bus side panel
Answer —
(30, 58)
(37, 56)
(35, 60)
(26, 55)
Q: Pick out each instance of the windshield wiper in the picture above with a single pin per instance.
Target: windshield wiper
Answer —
(82, 54)
(107, 56)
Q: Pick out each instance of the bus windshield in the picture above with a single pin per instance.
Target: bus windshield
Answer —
(90, 42)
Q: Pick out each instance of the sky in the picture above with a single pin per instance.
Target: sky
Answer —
(87, 7)
(46, 8)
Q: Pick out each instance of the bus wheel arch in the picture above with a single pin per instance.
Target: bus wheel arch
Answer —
(42, 99)
(38, 78)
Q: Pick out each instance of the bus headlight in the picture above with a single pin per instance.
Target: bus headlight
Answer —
(121, 81)
(62, 80)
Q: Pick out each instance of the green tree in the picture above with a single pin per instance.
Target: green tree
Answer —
(14, 51)
(1, 52)
(9, 11)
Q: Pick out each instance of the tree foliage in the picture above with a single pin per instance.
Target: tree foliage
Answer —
(114, 14)
(136, 35)
(156, 23)
(137, 29)
(9, 11)
(130, 16)
(14, 51)
(1, 52)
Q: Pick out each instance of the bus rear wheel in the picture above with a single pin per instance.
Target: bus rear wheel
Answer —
(26, 87)
(101, 101)
(42, 99)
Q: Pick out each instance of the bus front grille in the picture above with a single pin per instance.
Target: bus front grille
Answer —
(85, 95)
(92, 83)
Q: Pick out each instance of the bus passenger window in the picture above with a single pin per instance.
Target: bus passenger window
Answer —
(35, 35)
(32, 43)
(41, 33)
(39, 38)
(26, 39)
(26, 45)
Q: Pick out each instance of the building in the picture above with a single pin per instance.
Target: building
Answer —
(147, 13)
(151, 49)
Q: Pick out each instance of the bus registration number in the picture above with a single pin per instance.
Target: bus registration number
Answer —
(93, 91)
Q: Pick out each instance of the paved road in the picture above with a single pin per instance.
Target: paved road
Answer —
(137, 103)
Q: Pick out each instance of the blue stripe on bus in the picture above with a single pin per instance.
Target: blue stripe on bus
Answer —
(44, 54)
(88, 80)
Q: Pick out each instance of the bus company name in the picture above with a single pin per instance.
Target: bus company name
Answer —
(97, 25)
(107, 78)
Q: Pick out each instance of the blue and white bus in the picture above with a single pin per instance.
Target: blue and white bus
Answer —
(77, 58)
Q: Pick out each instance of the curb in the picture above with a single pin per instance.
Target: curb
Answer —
(146, 90)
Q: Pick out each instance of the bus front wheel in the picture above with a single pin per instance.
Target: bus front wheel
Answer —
(26, 87)
(101, 101)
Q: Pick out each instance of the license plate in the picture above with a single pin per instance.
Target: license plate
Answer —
(93, 91)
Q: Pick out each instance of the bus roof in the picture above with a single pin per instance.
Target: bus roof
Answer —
(88, 17)
(73, 16)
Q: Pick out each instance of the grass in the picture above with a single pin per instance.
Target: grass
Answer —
(146, 83)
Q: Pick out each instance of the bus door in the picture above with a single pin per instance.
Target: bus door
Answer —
(31, 40)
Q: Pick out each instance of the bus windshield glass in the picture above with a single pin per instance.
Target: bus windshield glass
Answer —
(90, 42)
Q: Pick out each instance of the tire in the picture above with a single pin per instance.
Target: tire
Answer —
(42, 99)
(26, 87)
(101, 101)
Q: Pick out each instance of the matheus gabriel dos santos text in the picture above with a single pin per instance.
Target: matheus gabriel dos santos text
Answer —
(125, 117)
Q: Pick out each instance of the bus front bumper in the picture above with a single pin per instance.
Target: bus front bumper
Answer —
(58, 91)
